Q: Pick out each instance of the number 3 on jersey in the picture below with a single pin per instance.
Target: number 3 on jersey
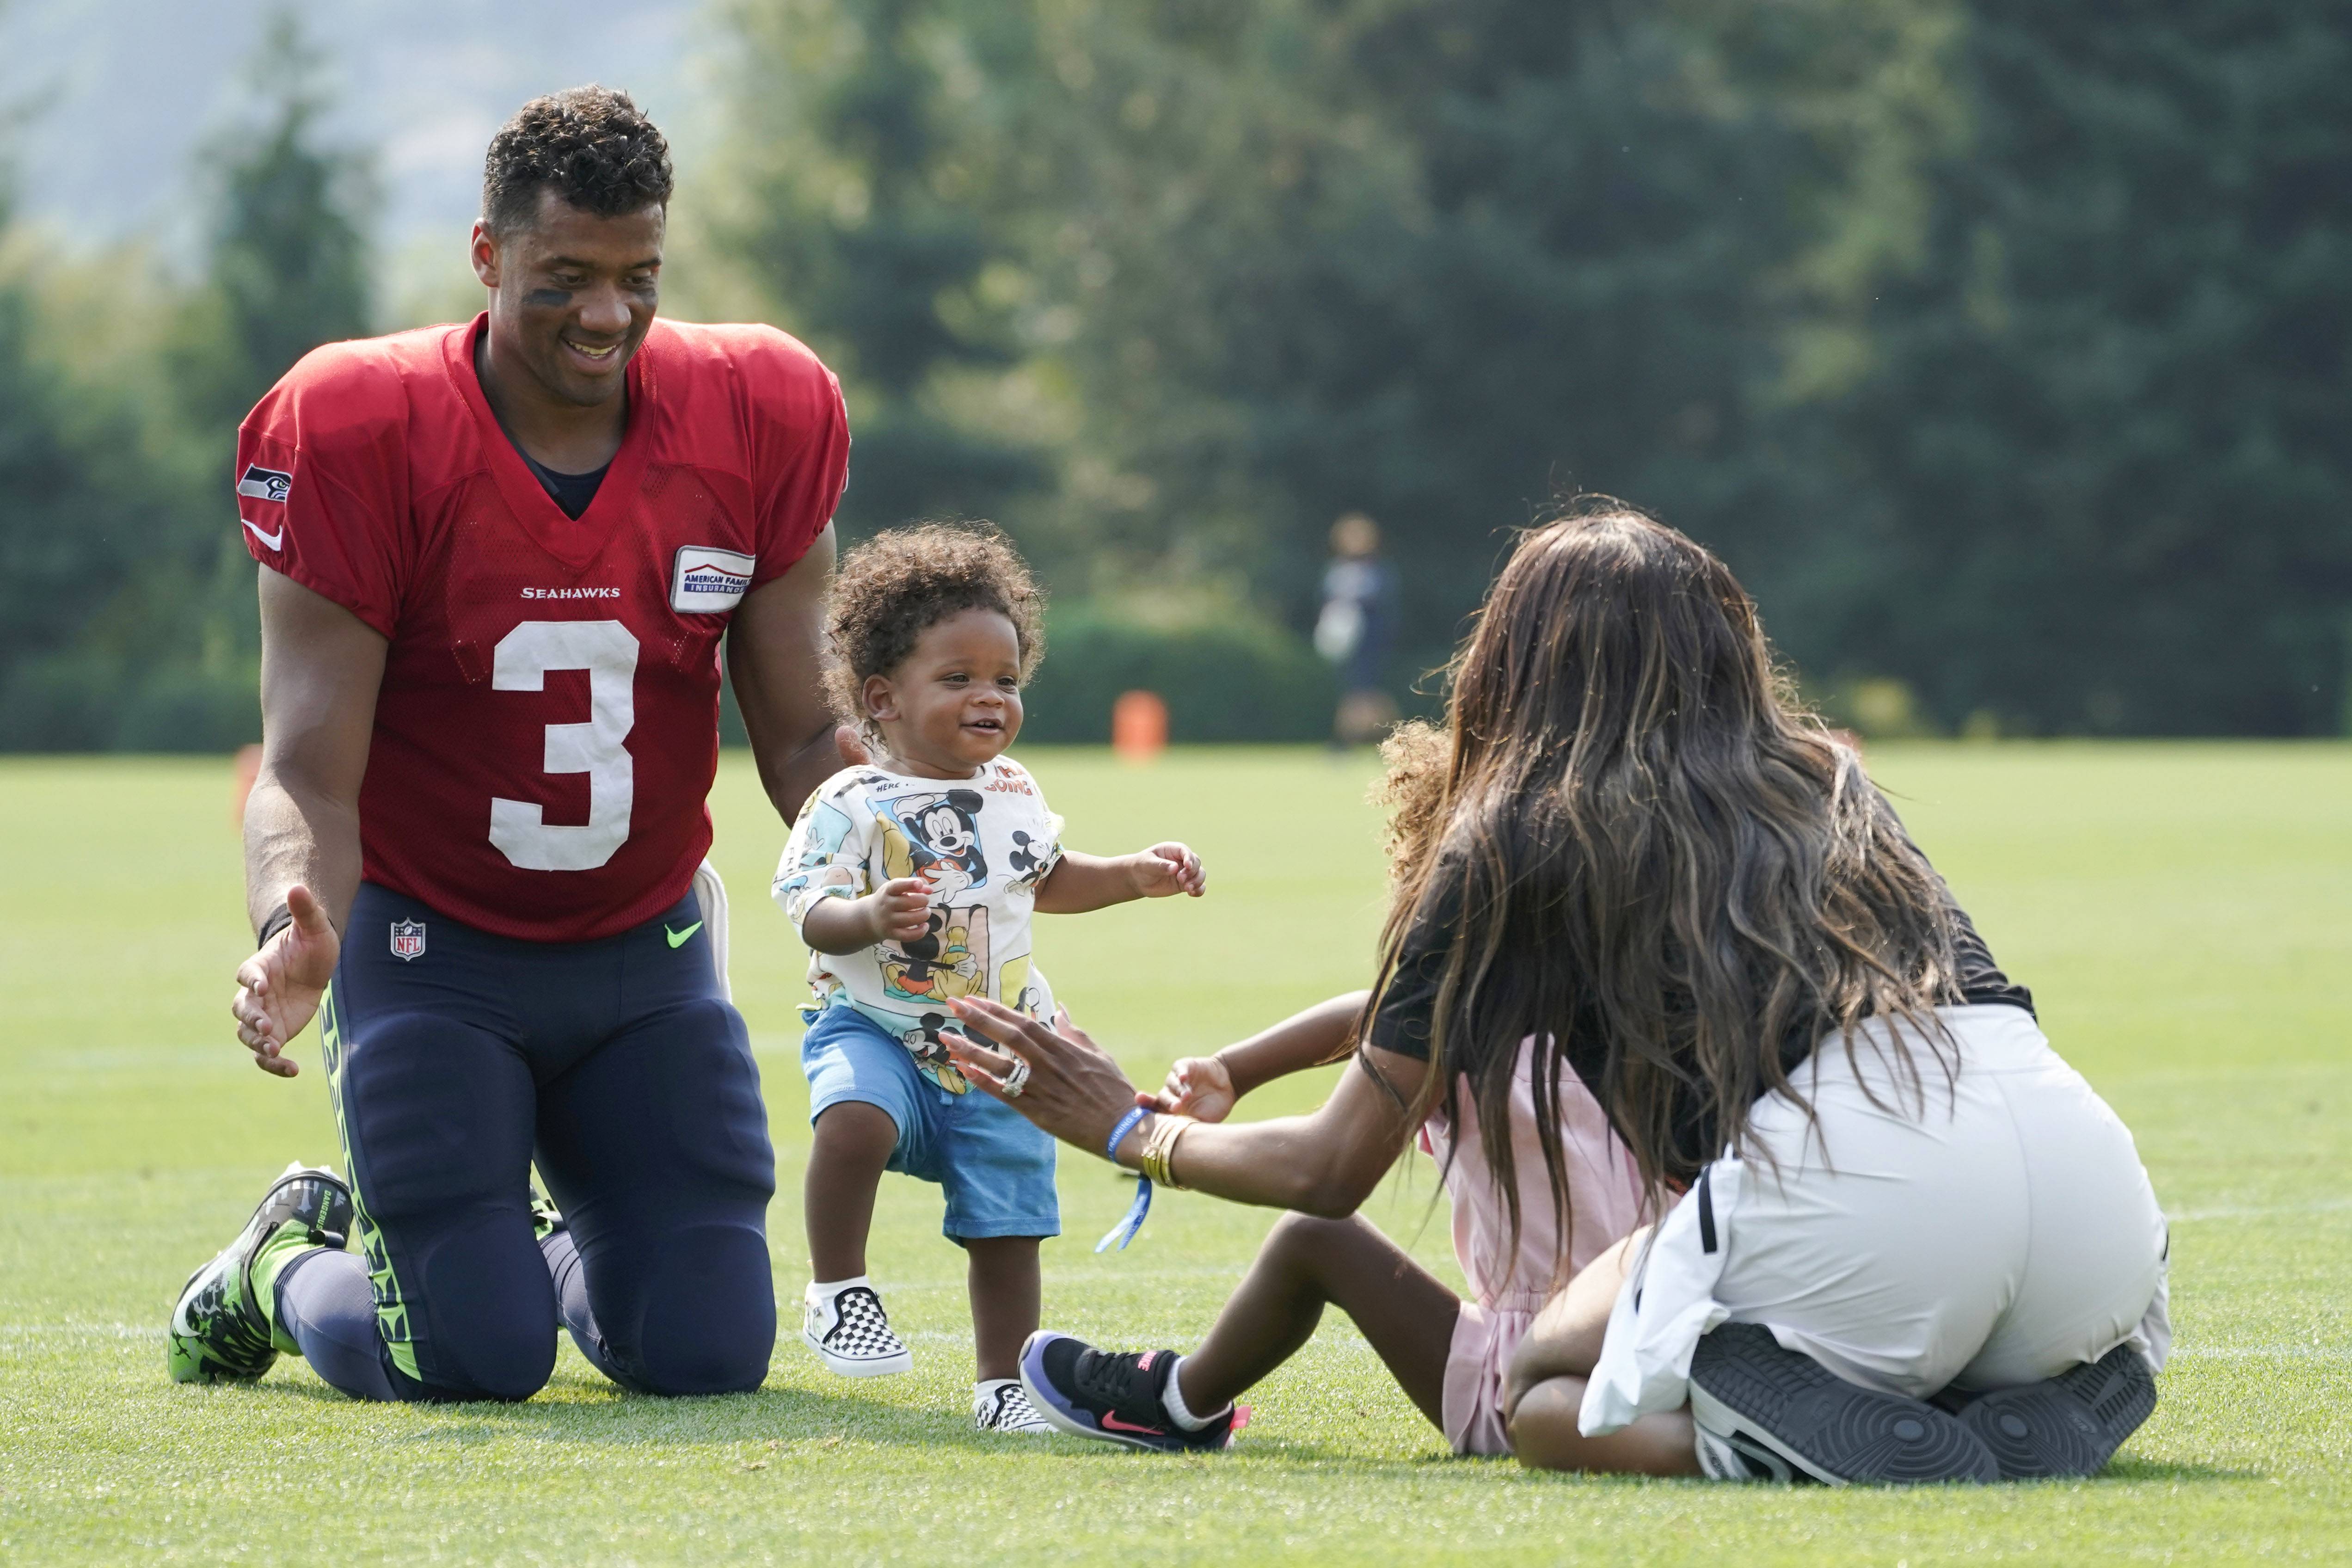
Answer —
(609, 653)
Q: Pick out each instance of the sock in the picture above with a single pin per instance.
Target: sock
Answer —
(289, 1246)
(324, 1304)
(824, 1290)
(1172, 1399)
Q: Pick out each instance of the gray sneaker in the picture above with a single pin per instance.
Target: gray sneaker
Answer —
(1757, 1398)
(2070, 1424)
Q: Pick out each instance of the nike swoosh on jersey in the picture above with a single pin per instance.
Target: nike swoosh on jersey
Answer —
(275, 541)
(677, 938)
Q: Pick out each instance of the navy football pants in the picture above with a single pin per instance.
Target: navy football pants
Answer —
(618, 1065)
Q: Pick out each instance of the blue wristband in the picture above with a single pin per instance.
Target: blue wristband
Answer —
(1124, 1231)
(1118, 1133)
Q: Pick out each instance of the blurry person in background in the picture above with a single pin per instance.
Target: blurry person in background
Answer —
(1354, 628)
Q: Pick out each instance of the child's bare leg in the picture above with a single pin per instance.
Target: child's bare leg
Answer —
(1306, 1262)
(1001, 1272)
(1544, 1435)
(1565, 1338)
(852, 1147)
(1549, 1372)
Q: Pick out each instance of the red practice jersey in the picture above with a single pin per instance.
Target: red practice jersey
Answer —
(548, 728)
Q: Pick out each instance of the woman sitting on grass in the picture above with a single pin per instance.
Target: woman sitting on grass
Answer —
(1657, 947)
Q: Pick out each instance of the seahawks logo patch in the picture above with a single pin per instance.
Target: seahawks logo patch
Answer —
(264, 484)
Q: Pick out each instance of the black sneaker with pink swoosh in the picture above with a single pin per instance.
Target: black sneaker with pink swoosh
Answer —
(1114, 1396)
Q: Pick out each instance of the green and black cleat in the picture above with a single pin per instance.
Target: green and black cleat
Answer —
(221, 1326)
(546, 1219)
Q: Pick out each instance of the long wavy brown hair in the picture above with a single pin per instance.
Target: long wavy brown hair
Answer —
(1630, 828)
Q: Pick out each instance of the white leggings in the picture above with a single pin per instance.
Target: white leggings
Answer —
(1980, 1231)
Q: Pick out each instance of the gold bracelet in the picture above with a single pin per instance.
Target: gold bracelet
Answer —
(1159, 1145)
(1148, 1158)
(1167, 1155)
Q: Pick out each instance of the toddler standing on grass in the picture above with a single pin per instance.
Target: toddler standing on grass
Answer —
(911, 880)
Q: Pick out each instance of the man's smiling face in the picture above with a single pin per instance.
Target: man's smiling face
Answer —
(572, 295)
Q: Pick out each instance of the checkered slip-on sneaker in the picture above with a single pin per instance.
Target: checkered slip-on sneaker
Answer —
(1005, 1406)
(851, 1333)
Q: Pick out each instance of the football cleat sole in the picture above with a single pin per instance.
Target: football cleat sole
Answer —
(1747, 1389)
(2068, 1426)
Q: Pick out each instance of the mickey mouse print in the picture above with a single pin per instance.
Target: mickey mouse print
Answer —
(979, 848)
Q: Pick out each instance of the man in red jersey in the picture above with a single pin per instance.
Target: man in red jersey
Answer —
(497, 561)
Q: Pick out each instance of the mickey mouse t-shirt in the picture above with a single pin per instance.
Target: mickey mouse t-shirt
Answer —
(980, 845)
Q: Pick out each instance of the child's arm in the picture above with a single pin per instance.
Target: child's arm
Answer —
(898, 910)
(1078, 883)
(1205, 1088)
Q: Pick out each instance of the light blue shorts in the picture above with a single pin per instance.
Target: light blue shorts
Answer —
(996, 1168)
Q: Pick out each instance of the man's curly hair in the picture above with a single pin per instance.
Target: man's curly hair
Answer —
(903, 582)
(590, 145)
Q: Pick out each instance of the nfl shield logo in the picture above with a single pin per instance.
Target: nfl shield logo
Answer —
(408, 938)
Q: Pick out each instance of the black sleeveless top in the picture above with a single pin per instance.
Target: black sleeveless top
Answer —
(1402, 1022)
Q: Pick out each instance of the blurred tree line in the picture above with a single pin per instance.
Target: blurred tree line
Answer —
(1999, 346)
(127, 618)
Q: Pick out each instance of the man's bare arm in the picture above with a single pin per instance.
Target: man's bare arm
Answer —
(321, 669)
(775, 652)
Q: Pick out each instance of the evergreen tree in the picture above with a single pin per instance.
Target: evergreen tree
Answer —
(2105, 478)
(68, 534)
(867, 160)
(286, 271)
(1440, 260)
(286, 268)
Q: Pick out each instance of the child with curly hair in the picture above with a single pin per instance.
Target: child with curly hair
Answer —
(911, 879)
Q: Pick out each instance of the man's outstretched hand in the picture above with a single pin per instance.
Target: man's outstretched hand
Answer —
(278, 989)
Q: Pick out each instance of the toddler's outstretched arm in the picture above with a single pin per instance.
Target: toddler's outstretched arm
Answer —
(1207, 1087)
(1078, 883)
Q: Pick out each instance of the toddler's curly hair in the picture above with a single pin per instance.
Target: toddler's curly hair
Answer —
(903, 582)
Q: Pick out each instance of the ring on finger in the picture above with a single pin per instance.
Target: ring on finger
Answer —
(1016, 1078)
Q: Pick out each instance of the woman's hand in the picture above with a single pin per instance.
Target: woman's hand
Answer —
(1075, 1090)
(1198, 1087)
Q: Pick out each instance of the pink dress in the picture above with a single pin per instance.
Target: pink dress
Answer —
(1507, 1289)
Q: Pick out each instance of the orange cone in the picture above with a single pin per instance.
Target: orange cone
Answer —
(1138, 726)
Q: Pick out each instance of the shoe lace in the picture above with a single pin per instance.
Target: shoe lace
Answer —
(1117, 1380)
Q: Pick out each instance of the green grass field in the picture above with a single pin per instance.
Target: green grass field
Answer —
(2183, 913)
